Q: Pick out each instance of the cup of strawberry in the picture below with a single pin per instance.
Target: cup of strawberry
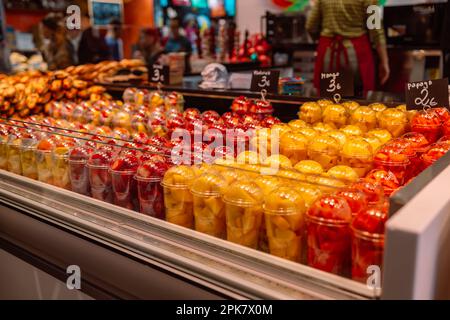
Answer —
(150, 191)
(78, 170)
(122, 171)
(99, 176)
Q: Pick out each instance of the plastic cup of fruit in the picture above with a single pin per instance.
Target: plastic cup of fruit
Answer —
(44, 160)
(365, 118)
(391, 158)
(372, 190)
(368, 229)
(393, 120)
(357, 154)
(335, 115)
(407, 148)
(260, 109)
(446, 128)
(352, 130)
(13, 158)
(385, 178)
(209, 208)
(344, 173)
(122, 171)
(60, 166)
(3, 152)
(427, 123)
(178, 200)
(381, 134)
(434, 153)
(297, 124)
(294, 145)
(324, 149)
(78, 170)
(350, 106)
(310, 112)
(284, 216)
(243, 204)
(150, 192)
(328, 235)
(28, 158)
(99, 176)
(309, 167)
(356, 199)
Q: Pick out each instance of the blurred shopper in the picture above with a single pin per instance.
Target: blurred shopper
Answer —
(148, 48)
(55, 47)
(177, 42)
(114, 41)
(92, 48)
(74, 39)
(345, 42)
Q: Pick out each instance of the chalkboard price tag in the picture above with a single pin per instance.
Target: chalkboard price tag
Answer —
(427, 94)
(159, 74)
(265, 80)
(333, 84)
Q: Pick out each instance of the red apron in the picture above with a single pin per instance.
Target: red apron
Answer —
(363, 53)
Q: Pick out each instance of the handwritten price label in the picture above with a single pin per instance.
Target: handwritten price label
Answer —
(159, 74)
(427, 94)
(265, 80)
(336, 83)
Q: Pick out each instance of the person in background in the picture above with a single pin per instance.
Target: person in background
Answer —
(177, 42)
(148, 47)
(114, 41)
(74, 39)
(346, 42)
(92, 48)
(55, 47)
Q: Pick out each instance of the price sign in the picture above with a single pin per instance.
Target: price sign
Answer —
(159, 74)
(334, 84)
(427, 94)
(265, 80)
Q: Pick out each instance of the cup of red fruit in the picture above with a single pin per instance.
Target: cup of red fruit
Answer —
(99, 176)
(413, 150)
(78, 170)
(356, 199)
(373, 191)
(122, 171)
(428, 123)
(328, 234)
(434, 153)
(392, 158)
(368, 229)
(386, 179)
(150, 191)
(241, 105)
(446, 128)
(261, 109)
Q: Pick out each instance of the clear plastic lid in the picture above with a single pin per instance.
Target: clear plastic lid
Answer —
(244, 193)
(443, 113)
(417, 140)
(338, 135)
(352, 130)
(391, 155)
(261, 107)
(356, 199)
(386, 179)
(426, 119)
(322, 128)
(370, 222)
(152, 170)
(330, 209)
(350, 106)
(309, 133)
(101, 157)
(377, 107)
(343, 173)
(80, 153)
(335, 113)
(393, 116)
(373, 191)
(324, 144)
(126, 162)
(281, 128)
(267, 183)
(297, 124)
(248, 157)
(209, 185)
(364, 114)
(309, 167)
(383, 135)
(323, 103)
(374, 142)
(309, 192)
(279, 161)
(284, 200)
(293, 140)
(435, 152)
(178, 177)
(357, 148)
(310, 112)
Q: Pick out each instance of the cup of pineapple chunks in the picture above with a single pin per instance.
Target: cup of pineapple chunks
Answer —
(178, 199)
(243, 206)
(284, 211)
(209, 208)
(13, 155)
(28, 158)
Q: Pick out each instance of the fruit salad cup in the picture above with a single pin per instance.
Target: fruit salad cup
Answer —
(324, 150)
(446, 128)
(356, 199)
(352, 130)
(368, 230)
(44, 159)
(99, 176)
(391, 158)
(150, 192)
(350, 106)
(335, 115)
(28, 158)
(178, 199)
(243, 202)
(386, 179)
(428, 123)
(339, 136)
(344, 173)
(60, 165)
(78, 170)
(310, 112)
(297, 124)
(13, 158)
(434, 153)
(381, 134)
(393, 120)
(284, 214)
(309, 133)
(365, 118)
(357, 154)
(294, 146)
(261, 109)
(372, 190)
(309, 167)
(328, 235)
(209, 208)
(241, 105)
(122, 171)
(3, 148)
